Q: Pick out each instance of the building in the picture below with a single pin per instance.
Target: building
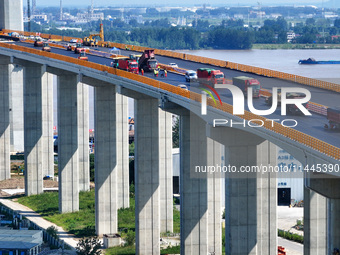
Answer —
(20, 242)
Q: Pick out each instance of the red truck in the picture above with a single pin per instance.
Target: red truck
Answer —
(244, 82)
(333, 116)
(129, 65)
(210, 76)
(147, 61)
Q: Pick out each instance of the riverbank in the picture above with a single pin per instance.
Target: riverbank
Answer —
(289, 46)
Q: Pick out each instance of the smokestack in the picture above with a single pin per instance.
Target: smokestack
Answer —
(29, 15)
(61, 10)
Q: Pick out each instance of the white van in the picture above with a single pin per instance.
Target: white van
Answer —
(190, 75)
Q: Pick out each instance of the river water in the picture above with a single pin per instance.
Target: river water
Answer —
(281, 60)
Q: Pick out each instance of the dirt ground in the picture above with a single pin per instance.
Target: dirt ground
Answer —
(18, 182)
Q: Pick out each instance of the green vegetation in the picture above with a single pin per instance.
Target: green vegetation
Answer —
(175, 132)
(290, 236)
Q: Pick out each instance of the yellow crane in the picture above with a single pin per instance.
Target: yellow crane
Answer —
(91, 41)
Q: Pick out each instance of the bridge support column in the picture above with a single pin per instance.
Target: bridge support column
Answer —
(194, 198)
(33, 126)
(47, 125)
(122, 126)
(251, 226)
(5, 72)
(106, 165)
(315, 223)
(68, 143)
(147, 163)
(165, 171)
(17, 108)
(214, 199)
(334, 224)
(83, 137)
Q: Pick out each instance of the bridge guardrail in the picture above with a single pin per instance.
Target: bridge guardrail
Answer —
(290, 133)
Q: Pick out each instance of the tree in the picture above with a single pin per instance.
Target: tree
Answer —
(310, 22)
(89, 246)
(175, 132)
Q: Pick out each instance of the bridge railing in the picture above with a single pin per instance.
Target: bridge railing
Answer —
(290, 133)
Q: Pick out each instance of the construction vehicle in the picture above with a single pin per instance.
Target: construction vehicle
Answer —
(46, 47)
(91, 41)
(129, 65)
(135, 56)
(333, 116)
(210, 76)
(292, 108)
(244, 82)
(38, 43)
(82, 55)
(78, 48)
(147, 61)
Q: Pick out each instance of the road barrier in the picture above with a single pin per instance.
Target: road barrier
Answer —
(287, 132)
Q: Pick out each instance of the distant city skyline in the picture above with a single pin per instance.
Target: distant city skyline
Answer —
(136, 3)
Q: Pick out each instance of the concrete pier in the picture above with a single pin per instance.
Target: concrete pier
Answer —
(47, 125)
(122, 126)
(16, 102)
(194, 197)
(165, 171)
(83, 137)
(106, 165)
(251, 222)
(11, 15)
(315, 223)
(147, 151)
(214, 199)
(68, 143)
(33, 118)
(5, 164)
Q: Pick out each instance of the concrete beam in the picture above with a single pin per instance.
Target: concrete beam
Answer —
(33, 119)
(194, 197)
(83, 137)
(5, 164)
(106, 164)
(68, 158)
(147, 163)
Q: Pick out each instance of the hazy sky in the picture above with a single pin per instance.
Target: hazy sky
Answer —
(97, 3)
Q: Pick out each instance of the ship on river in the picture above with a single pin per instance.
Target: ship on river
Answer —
(312, 61)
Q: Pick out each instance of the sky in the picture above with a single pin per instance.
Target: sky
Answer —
(144, 3)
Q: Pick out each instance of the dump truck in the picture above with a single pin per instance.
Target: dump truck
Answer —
(292, 108)
(129, 65)
(333, 116)
(244, 82)
(210, 76)
(147, 61)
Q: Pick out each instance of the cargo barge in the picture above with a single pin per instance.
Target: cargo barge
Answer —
(312, 61)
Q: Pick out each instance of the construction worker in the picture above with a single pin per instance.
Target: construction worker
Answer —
(142, 71)
(165, 73)
(155, 72)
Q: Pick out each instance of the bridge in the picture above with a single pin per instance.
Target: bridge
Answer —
(251, 198)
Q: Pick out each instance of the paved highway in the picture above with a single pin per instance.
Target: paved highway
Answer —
(311, 125)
